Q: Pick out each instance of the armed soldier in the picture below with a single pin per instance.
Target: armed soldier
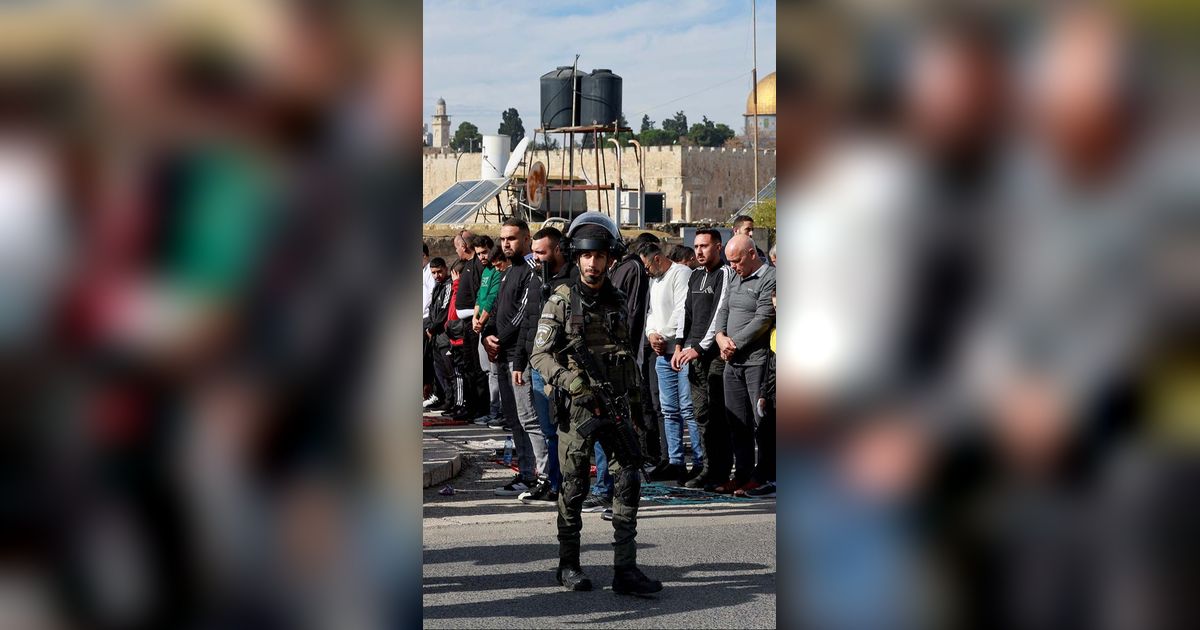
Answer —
(582, 346)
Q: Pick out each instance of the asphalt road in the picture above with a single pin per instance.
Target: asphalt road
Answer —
(489, 563)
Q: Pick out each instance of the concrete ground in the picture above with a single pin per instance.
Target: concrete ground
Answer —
(489, 561)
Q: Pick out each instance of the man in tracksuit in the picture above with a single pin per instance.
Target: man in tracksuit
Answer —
(504, 343)
(475, 383)
(698, 348)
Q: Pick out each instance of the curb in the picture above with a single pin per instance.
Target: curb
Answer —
(441, 461)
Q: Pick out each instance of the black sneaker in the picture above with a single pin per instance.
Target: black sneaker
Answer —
(497, 423)
(631, 581)
(657, 469)
(514, 487)
(596, 503)
(539, 493)
(573, 578)
(697, 481)
(607, 515)
(765, 491)
(672, 473)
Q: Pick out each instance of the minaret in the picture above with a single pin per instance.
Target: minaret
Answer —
(441, 126)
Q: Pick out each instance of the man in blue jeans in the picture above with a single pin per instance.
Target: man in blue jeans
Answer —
(664, 329)
(552, 270)
(599, 499)
(541, 403)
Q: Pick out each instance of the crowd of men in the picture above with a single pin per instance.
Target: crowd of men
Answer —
(701, 322)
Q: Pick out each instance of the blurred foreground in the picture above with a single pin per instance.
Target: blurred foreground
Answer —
(989, 316)
(198, 275)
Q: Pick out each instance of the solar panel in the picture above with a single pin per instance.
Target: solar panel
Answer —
(468, 202)
(484, 191)
(438, 205)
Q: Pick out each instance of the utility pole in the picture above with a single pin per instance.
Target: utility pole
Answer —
(458, 156)
(571, 141)
(754, 89)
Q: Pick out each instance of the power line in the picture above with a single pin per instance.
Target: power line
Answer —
(715, 85)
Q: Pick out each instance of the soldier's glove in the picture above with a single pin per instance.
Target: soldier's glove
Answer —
(591, 402)
(576, 386)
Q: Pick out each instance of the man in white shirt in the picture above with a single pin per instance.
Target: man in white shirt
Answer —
(427, 282)
(427, 285)
(664, 325)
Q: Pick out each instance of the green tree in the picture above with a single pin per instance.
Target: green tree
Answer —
(724, 133)
(764, 213)
(676, 125)
(511, 126)
(657, 138)
(647, 124)
(709, 134)
(467, 138)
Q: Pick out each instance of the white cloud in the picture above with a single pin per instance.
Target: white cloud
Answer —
(484, 57)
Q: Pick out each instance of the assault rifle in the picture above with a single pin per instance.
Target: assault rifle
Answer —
(613, 407)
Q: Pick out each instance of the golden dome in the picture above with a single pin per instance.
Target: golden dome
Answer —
(766, 97)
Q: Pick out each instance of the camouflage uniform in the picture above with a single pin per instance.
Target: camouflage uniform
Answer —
(576, 311)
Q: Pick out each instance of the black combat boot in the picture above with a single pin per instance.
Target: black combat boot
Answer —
(631, 581)
(573, 578)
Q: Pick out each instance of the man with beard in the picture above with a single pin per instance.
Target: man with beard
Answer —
(583, 346)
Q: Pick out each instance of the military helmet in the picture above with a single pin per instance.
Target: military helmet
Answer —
(592, 231)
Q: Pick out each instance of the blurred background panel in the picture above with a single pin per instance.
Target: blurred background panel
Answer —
(202, 280)
(986, 212)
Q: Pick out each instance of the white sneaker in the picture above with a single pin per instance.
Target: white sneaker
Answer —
(429, 402)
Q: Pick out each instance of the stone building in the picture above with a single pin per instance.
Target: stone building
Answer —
(766, 113)
(699, 183)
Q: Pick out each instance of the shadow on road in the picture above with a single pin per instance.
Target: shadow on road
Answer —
(708, 512)
(488, 555)
(504, 506)
(686, 590)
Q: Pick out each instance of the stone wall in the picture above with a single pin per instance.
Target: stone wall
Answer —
(699, 183)
(717, 181)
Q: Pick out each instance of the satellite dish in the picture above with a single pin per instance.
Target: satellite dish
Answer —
(515, 158)
(535, 184)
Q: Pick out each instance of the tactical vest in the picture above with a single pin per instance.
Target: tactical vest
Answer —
(604, 330)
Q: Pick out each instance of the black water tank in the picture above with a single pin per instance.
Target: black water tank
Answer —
(601, 98)
(557, 92)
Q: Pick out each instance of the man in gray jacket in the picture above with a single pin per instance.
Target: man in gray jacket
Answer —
(744, 323)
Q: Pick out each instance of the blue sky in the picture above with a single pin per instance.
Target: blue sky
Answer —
(692, 55)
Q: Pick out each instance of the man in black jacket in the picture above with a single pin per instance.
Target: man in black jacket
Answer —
(475, 387)
(697, 346)
(520, 294)
(631, 278)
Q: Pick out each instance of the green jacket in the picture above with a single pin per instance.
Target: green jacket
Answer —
(489, 289)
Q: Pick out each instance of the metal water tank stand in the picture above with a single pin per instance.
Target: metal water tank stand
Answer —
(567, 160)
